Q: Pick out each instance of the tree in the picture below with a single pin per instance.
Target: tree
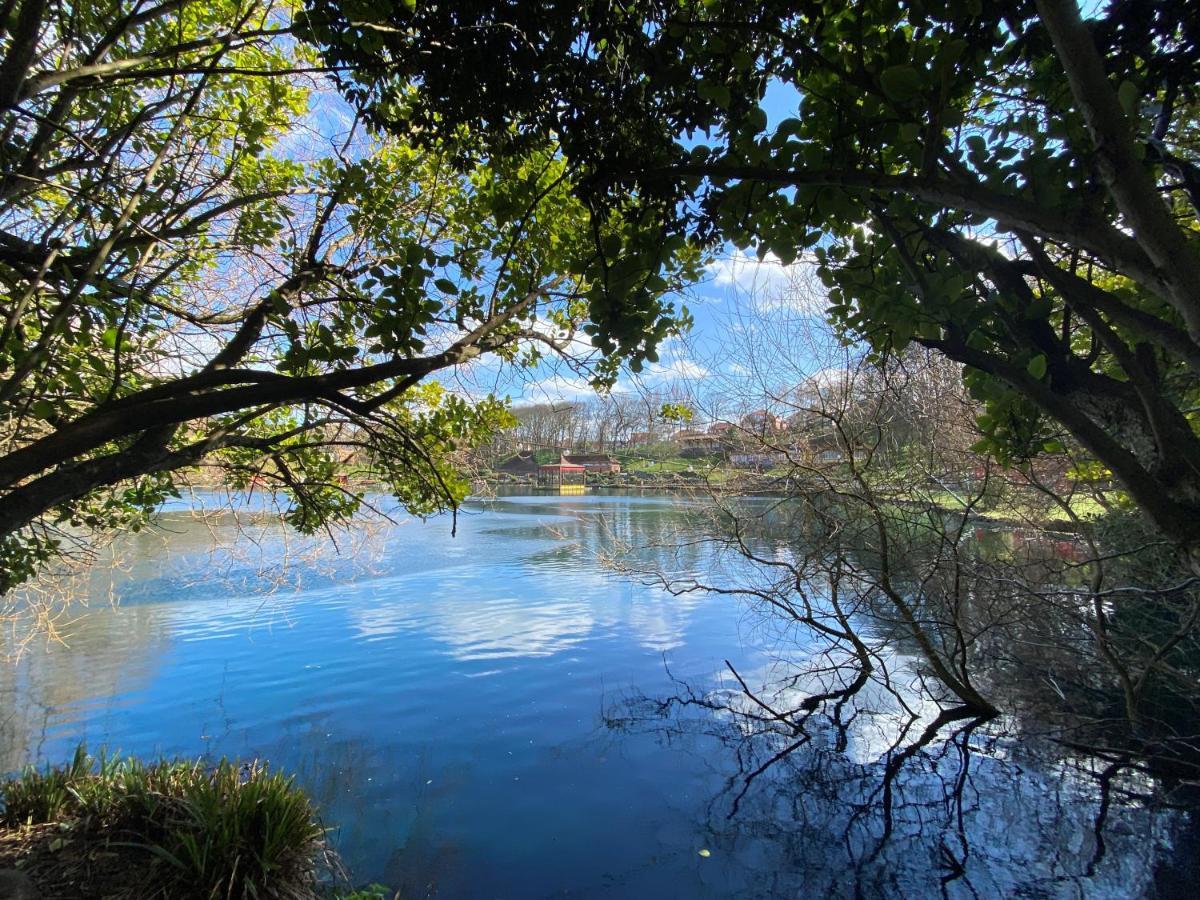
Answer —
(1006, 183)
(205, 257)
(880, 555)
(549, 426)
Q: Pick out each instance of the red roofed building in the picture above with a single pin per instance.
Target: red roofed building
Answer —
(561, 473)
(593, 462)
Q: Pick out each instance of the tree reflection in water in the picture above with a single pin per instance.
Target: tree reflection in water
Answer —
(872, 795)
(948, 705)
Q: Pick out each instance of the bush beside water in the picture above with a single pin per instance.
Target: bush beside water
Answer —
(111, 826)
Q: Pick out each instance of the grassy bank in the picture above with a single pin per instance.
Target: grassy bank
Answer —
(115, 827)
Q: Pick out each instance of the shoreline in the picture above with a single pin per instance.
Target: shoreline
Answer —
(698, 486)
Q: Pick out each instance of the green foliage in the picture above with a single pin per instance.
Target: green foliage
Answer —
(206, 262)
(370, 892)
(952, 187)
(205, 831)
(676, 412)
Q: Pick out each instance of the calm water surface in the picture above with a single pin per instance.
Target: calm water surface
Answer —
(459, 709)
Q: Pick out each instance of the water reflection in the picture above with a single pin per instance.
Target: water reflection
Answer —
(491, 715)
(864, 804)
(496, 625)
(105, 658)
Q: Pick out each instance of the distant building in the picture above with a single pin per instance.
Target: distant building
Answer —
(829, 455)
(762, 422)
(757, 461)
(640, 437)
(521, 463)
(694, 443)
(594, 462)
(826, 445)
(561, 473)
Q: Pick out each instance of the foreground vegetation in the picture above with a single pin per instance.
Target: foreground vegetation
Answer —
(207, 258)
(250, 235)
(111, 826)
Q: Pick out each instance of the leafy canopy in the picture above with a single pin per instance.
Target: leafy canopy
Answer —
(207, 258)
(1003, 182)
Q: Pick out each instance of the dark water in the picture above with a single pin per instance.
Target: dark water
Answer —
(465, 712)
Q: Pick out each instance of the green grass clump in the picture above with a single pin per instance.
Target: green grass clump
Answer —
(207, 831)
(371, 892)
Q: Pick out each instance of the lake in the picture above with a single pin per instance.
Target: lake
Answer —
(500, 714)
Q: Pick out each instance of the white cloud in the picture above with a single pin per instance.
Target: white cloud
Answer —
(475, 624)
(557, 387)
(679, 370)
(768, 283)
(747, 272)
(562, 388)
(575, 345)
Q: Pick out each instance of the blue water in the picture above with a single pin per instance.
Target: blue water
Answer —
(459, 710)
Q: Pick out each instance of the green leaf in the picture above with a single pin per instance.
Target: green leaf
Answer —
(714, 92)
(901, 83)
(446, 286)
(1127, 95)
(788, 128)
(43, 409)
(1037, 366)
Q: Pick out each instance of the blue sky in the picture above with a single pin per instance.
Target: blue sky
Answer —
(759, 328)
(741, 307)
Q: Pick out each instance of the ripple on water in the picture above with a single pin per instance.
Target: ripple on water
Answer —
(445, 699)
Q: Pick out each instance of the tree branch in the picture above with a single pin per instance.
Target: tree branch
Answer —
(1121, 168)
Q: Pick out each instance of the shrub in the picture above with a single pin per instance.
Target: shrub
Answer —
(227, 830)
